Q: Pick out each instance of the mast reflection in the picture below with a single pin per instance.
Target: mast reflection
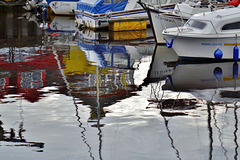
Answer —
(209, 86)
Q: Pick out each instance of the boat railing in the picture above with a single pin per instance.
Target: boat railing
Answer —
(180, 22)
(211, 27)
(175, 21)
(159, 5)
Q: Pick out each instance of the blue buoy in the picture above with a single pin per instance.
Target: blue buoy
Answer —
(235, 70)
(217, 73)
(99, 23)
(235, 53)
(218, 54)
(169, 45)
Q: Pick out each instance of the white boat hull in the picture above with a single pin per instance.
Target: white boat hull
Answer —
(63, 7)
(159, 22)
(98, 21)
(201, 48)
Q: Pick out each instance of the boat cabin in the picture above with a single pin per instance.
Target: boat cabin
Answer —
(216, 22)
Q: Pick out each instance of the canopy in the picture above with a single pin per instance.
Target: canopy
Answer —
(101, 6)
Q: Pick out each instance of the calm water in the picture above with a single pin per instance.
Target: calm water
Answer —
(68, 94)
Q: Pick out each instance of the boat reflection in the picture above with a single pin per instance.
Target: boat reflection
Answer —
(192, 90)
(123, 37)
(62, 24)
(9, 138)
(112, 66)
(217, 82)
(98, 75)
(163, 64)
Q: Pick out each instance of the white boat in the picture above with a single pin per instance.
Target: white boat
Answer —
(211, 35)
(37, 6)
(162, 19)
(63, 7)
(218, 82)
(96, 14)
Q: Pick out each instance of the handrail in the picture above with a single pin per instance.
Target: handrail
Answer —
(180, 31)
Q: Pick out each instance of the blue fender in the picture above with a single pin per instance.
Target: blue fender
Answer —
(218, 54)
(169, 45)
(235, 53)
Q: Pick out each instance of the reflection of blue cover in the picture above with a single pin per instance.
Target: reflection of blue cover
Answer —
(98, 7)
(102, 49)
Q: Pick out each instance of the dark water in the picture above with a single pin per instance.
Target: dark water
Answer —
(71, 94)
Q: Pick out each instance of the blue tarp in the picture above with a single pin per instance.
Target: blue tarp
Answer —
(98, 7)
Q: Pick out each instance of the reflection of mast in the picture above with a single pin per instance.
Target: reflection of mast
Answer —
(166, 124)
(220, 133)
(11, 54)
(99, 114)
(210, 131)
(235, 131)
(21, 123)
(77, 115)
(84, 129)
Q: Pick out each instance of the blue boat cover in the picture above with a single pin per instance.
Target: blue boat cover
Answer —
(99, 6)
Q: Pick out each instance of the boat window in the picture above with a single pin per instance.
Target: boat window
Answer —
(196, 24)
(235, 25)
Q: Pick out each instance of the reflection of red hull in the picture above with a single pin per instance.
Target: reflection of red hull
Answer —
(38, 62)
(3, 87)
(26, 77)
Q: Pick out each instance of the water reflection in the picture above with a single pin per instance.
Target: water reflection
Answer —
(127, 37)
(180, 89)
(62, 24)
(15, 31)
(209, 81)
(93, 98)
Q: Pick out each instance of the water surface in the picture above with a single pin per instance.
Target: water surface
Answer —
(72, 94)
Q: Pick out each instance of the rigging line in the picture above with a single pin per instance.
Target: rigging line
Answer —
(83, 128)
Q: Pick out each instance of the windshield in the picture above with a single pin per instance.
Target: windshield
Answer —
(196, 24)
